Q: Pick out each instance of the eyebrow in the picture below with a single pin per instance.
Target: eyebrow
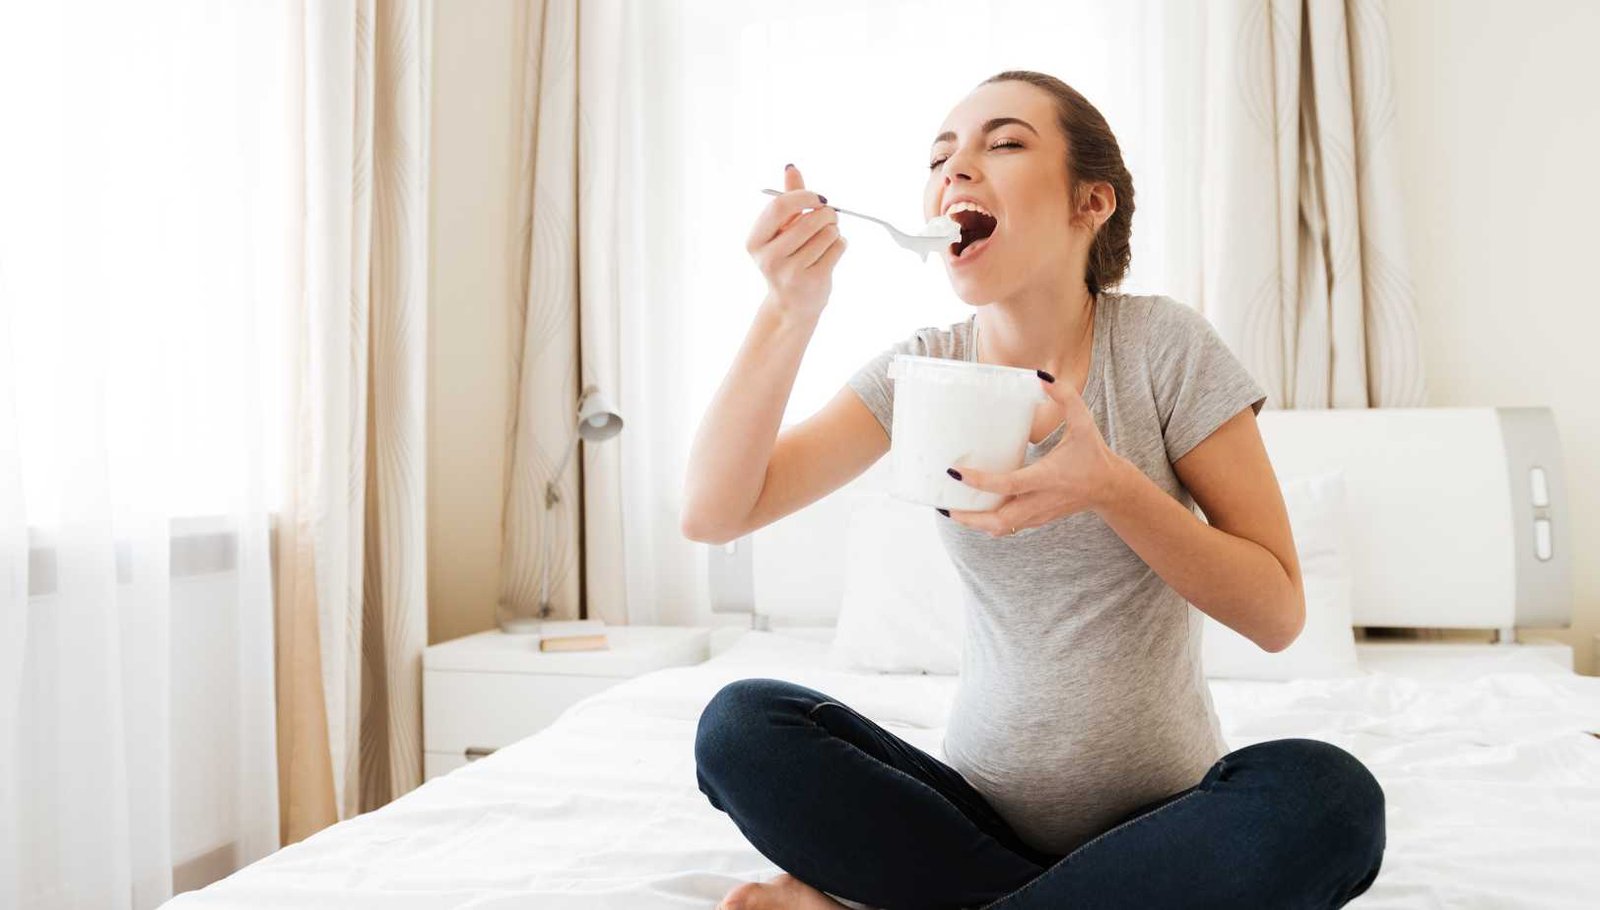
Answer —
(989, 127)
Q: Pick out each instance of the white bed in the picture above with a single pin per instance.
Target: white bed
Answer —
(1492, 786)
(1489, 756)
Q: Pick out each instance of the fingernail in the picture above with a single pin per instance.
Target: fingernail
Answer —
(944, 512)
(1045, 376)
(788, 167)
(953, 473)
(822, 198)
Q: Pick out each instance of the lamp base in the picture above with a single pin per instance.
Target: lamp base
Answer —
(521, 625)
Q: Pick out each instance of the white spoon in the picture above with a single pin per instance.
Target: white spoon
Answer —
(934, 236)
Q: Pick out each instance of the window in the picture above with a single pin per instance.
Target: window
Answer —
(143, 198)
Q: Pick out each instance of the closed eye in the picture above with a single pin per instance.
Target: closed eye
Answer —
(1004, 143)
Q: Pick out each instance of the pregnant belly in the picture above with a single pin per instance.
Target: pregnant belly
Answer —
(1061, 775)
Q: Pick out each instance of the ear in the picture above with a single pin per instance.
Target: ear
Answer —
(1097, 202)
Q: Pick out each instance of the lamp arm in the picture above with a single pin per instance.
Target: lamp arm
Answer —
(551, 497)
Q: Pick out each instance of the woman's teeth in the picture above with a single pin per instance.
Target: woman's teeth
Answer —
(967, 207)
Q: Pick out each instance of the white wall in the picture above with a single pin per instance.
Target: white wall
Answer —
(474, 144)
(1499, 133)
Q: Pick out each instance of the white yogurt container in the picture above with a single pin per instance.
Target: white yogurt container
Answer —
(953, 412)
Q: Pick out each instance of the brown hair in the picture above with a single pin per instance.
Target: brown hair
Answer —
(1093, 156)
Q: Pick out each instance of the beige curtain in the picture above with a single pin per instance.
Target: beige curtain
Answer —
(576, 94)
(1304, 261)
(352, 617)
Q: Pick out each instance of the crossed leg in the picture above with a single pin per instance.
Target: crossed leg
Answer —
(830, 797)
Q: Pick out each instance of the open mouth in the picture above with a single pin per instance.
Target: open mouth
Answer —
(975, 226)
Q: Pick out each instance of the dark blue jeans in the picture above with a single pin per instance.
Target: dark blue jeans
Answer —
(856, 812)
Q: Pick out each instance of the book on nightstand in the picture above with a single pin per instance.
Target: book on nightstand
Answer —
(573, 635)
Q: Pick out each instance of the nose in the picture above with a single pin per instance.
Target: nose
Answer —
(953, 171)
(957, 165)
(954, 168)
(946, 187)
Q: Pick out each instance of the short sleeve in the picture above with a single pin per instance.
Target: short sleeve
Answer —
(872, 384)
(1198, 383)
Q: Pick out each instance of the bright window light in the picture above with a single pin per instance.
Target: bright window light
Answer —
(144, 193)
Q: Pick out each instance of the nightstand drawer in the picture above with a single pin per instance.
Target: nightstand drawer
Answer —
(462, 710)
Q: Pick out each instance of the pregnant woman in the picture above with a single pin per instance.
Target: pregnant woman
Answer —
(1086, 766)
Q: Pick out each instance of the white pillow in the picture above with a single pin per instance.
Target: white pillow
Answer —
(902, 608)
(1326, 646)
(902, 605)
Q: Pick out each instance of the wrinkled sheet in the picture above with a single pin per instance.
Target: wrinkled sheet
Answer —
(1489, 767)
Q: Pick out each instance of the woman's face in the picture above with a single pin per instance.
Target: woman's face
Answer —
(1001, 148)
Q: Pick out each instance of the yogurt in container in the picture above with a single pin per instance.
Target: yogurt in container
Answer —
(953, 412)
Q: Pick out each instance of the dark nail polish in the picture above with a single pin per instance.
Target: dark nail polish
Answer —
(823, 199)
(788, 167)
(944, 512)
(953, 473)
(1045, 376)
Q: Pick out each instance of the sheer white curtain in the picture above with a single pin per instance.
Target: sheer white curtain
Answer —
(852, 93)
(142, 185)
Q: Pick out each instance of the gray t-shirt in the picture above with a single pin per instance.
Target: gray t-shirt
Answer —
(1081, 697)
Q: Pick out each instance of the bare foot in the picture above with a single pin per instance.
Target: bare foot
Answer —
(785, 892)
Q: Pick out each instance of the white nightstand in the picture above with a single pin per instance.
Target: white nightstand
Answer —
(489, 690)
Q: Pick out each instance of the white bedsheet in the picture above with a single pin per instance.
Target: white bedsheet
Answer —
(1493, 792)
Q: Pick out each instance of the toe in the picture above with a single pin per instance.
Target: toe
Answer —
(740, 898)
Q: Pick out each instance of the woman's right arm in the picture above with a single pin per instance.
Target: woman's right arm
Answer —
(743, 474)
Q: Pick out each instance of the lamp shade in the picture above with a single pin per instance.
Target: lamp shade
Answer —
(597, 419)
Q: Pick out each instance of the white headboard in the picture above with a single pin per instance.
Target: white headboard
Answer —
(1458, 514)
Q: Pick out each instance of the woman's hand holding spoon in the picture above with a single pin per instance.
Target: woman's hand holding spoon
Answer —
(796, 243)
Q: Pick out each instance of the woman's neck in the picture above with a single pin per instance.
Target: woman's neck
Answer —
(1048, 331)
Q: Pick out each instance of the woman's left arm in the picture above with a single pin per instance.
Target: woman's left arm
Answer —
(1241, 568)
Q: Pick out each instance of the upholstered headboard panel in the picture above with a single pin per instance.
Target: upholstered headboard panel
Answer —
(1459, 519)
